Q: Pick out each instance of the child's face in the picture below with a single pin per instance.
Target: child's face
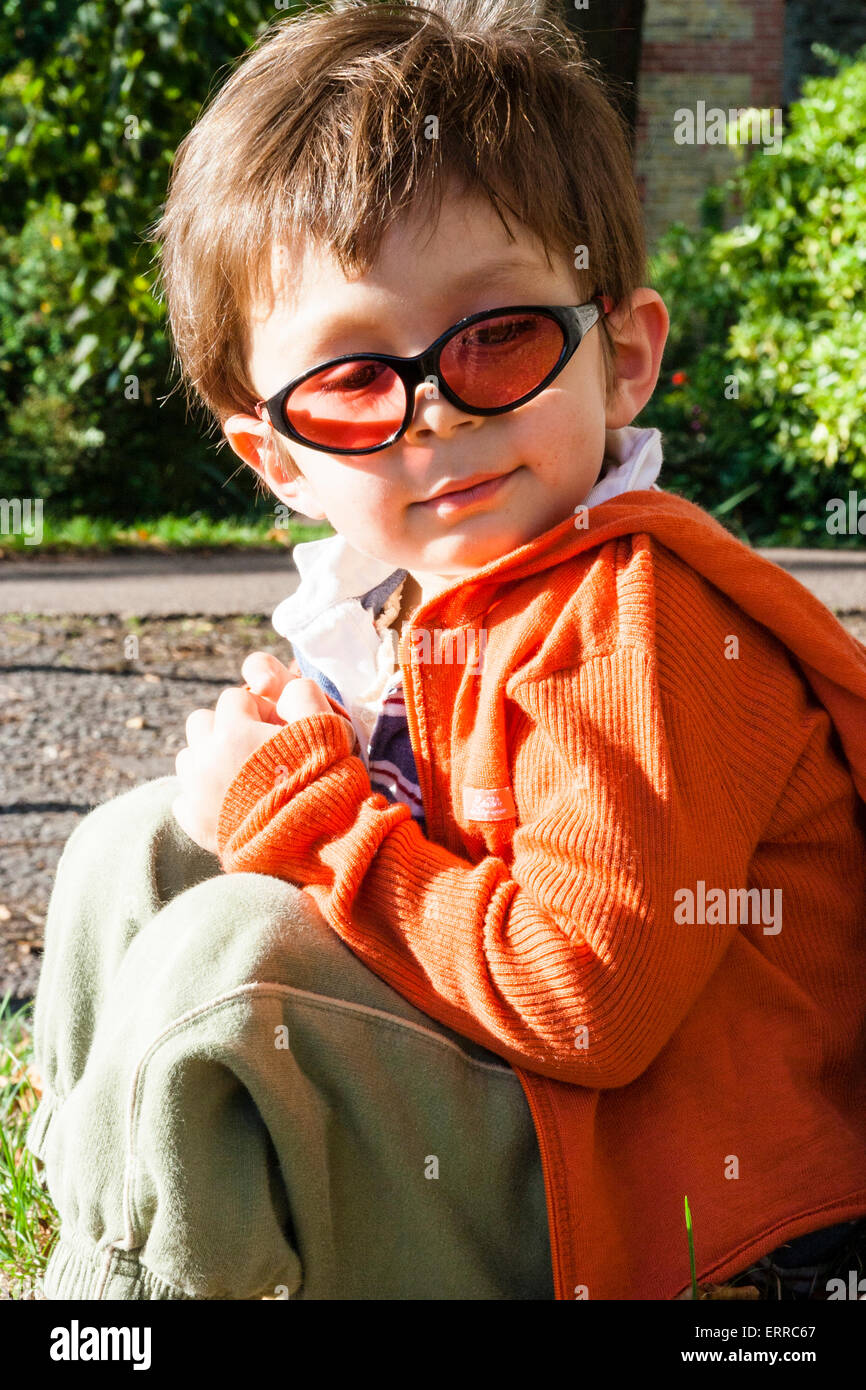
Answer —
(423, 282)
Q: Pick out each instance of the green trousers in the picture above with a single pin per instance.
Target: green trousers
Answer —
(235, 1107)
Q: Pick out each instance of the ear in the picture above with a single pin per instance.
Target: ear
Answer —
(252, 440)
(639, 339)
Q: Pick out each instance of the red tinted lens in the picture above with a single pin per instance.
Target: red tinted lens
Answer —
(500, 359)
(352, 405)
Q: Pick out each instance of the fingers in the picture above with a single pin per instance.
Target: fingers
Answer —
(199, 724)
(305, 697)
(299, 697)
(235, 704)
(267, 711)
(266, 675)
(302, 697)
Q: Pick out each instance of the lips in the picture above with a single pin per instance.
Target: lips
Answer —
(463, 486)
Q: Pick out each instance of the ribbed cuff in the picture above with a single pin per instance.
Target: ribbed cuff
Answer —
(280, 768)
(79, 1269)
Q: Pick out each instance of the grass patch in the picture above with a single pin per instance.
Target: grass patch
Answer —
(29, 1224)
(85, 534)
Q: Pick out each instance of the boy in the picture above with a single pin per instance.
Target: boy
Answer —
(572, 771)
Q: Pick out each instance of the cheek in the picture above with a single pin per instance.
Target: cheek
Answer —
(355, 502)
(563, 444)
(561, 426)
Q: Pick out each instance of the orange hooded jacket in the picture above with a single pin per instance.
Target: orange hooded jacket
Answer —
(644, 886)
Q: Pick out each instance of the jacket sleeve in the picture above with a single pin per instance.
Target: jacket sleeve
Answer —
(576, 960)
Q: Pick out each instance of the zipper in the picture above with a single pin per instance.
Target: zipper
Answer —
(425, 781)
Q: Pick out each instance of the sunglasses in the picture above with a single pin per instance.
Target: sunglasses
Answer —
(484, 365)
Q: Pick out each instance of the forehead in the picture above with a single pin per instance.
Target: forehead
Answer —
(424, 269)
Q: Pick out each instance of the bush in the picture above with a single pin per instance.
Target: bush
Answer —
(760, 398)
(94, 100)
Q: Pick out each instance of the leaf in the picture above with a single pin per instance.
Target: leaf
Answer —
(104, 288)
(85, 347)
(691, 1249)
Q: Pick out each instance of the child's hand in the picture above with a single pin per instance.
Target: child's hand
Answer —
(266, 675)
(220, 741)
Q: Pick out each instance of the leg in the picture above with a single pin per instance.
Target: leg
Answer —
(120, 866)
(255, 1113)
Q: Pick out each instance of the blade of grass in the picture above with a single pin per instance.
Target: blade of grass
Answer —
(691, 1249)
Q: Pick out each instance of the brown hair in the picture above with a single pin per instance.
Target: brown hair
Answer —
(319, 133)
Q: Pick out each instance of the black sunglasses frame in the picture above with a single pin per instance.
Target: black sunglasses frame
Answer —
(574, 320)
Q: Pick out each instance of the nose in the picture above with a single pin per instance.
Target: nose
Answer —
(434, 415)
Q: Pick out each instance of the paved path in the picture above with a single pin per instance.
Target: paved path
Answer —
(836, 577)
(234, 583)
(169, 585)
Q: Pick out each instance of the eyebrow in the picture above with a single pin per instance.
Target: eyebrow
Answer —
(493, 271)
(488, 273)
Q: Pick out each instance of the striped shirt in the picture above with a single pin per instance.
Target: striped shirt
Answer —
(392, 763)
(390, 760)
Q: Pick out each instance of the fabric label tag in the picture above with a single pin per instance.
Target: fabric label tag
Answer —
(488, 803)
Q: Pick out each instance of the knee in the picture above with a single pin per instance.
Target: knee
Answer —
(126, 819)
(135, 839)
(254, 928)
(230, 931)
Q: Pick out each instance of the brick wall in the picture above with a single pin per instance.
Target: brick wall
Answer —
(724, 53)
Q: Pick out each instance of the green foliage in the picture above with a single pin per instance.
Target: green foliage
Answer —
(29, 1224)
(190, 531)
(774, 303)
(94, 99)
(691, 1239)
